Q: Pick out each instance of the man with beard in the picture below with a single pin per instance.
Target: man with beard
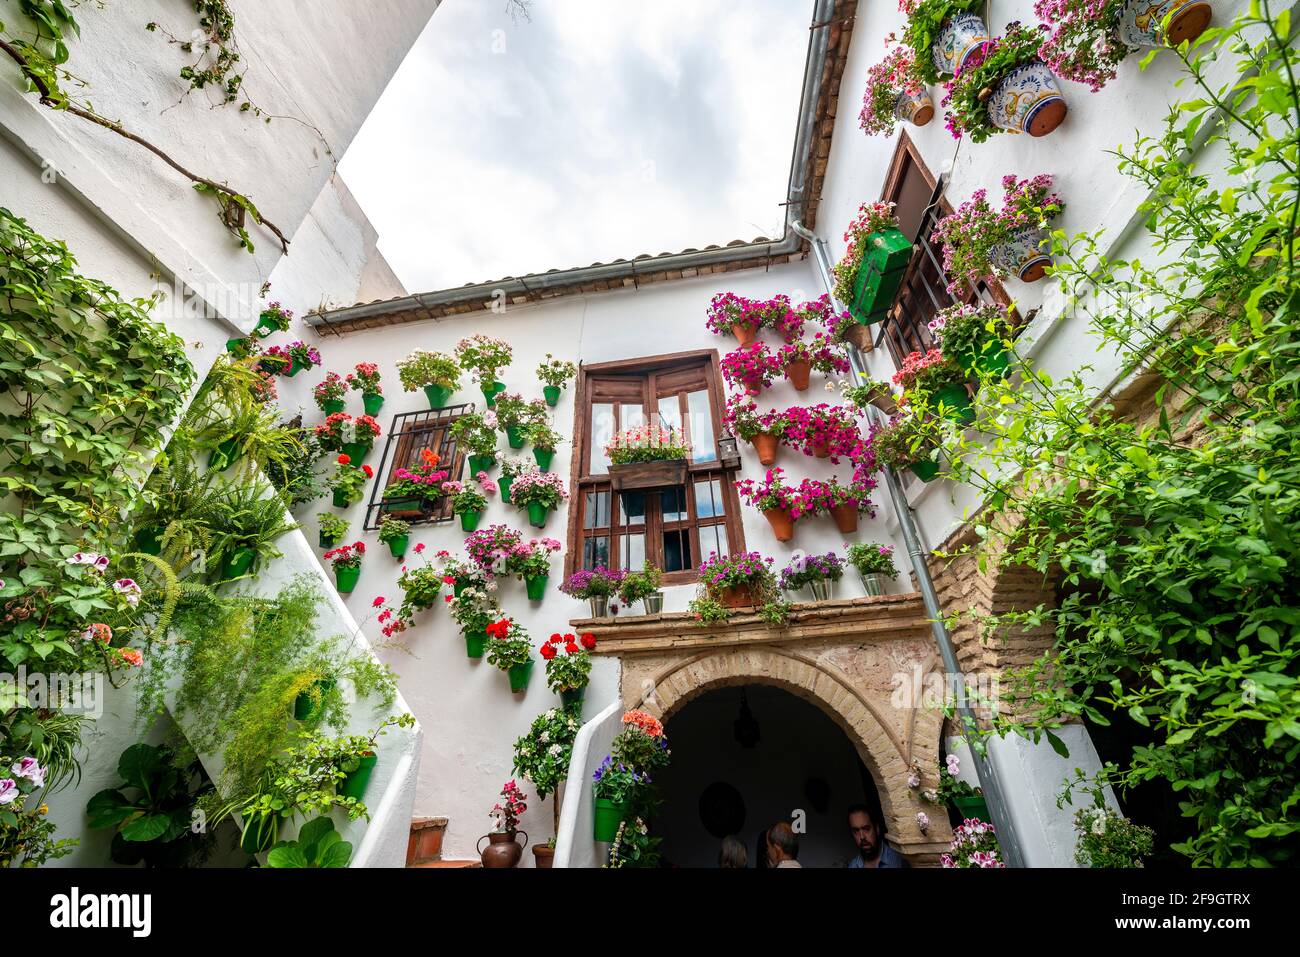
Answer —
(869, 836)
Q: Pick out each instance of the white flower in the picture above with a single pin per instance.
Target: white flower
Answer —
(544, 737)
(954, 766)
(922, 821)
(127, 588)
(556, 750)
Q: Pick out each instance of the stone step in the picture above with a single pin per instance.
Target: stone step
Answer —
(447, 864)
(424, 847)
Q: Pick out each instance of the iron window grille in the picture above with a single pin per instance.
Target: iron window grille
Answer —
(409, 434)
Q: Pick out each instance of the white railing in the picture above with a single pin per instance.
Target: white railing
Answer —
(574, 846)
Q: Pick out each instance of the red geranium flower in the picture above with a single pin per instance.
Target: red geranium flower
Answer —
(344, 459)
(370, 473)
(571, 649)
(419, 547)
(589, 641)
(548, 651)
(377, 602)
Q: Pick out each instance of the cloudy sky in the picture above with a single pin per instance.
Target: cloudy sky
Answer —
(593, 131)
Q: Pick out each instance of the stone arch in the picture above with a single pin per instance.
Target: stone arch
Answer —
(887, 751)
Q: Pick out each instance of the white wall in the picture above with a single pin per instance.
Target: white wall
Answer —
(472, 719)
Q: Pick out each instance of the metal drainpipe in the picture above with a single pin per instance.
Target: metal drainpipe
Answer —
(985, 770)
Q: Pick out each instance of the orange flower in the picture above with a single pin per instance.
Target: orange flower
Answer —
(430, 457)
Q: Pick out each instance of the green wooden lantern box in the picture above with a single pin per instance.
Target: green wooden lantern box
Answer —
(887, 256)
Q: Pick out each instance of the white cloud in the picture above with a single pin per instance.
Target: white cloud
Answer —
(593, 132)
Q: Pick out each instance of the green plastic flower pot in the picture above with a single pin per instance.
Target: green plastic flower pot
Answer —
(537, 513)
(490, 393)
(304, 707)
(235, 345)
(956, 403)
(438, 395)
(481, 463)
(341, 499)
(503, 485)
(397, 546)
(149, 540)
(973, 807)
(606, 818)
(925, 470)
(332, 406)
(355, 784)
(475, 644)
(536, 585)
(327, 540)
(294, 368)
(373, 402)
(237, 563)
(552, 393)
(224, 455)
(357, 451)
(345, 579)
(543, 457)
(469, 521)
(515, 436)
(265, 327)
(571, 696)
(519, 675)
(993, 361)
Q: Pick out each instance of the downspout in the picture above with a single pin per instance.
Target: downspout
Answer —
(985, 770)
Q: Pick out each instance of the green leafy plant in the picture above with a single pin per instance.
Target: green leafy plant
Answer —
(248, 516)
(542, 755)
(334, 527)
(1108, 839)
(391, 529)
(471, 431)
(871, 558)
(423, 368)
(638, 585)
(317, 845)
(968, 94)
(508, 645)
(541, 436)
(924, 19)
(556, 372)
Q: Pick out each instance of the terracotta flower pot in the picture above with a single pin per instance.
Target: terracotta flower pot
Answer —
(765, 446)
(820, 448)
(543, 857)
(502, 850)
(846, 517)
(737, 596)
(781, 522)
(798, 373)
(859, 336)
(743, 333)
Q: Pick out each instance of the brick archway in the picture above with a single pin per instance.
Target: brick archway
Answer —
(861, 662)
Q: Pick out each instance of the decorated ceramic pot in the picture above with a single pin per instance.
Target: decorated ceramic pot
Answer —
(959, 35)
(1027, 100)
(1139, 22)
(1025, 256)
(914, 108)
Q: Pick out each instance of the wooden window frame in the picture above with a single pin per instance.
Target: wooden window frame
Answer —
(409, 433)
(581, 480)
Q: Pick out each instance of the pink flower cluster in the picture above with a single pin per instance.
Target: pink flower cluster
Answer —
(490, 548)
(809, 498)
(974, 844)
(915, 365)
(821, 351)
(1083, 44)
(752, 367)
(895, 74)
(822, 430)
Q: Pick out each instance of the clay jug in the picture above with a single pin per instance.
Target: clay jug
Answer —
(502, 851)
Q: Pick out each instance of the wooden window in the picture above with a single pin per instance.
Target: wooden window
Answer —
(674, 528)
(919, 205)
(409, 434)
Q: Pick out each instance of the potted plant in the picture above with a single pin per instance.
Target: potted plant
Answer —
(867, 277)
(647, 457)
(396, 534)
(348, 482)
(554, 374)
(751, 367)
(568, 673)
(502, 852)
(974, 337)
(274, 318)
(329, 394)
(800, 358)
(491, 549)
(894, 94)
(420, 588)
(823, 431)
(1107, 839)
(532, 564)
(638, 750)
(413, 493)
(942, 34)
(366, 380)
(483, 357)
(1087, 39)
(868, 393)
(738, 581)
(437, 373)
(511, 465)
(875, 563)
(763, 430)
(515, 415)
(844, 503)
(469, 499)
(246, 520)
(277, 361)
(332, 529)
(473, 609)
(728, 315)
(934, 378)
(595, 585)
(543, 755)
(614, 788)
(509, 649)
(974, 844)
(544, 440)
(538, 492)
(817, 573)
(774, 499)
(904, 442)
(346, 560)
(356, 437)
(476, 433)
(301, 357)
(317, 845)
(966, 798)
(980, 244)
(643, 586)
(355, 756)
(1003, 85)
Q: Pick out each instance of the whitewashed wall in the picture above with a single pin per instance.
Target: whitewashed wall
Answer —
(471, 718)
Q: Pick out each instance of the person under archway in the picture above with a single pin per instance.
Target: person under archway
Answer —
(782, 845)
(733, 855)
(869, 836)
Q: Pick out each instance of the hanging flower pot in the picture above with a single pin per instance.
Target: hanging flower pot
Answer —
(1027, 100)
(490, 392)
(781, 522)
(1139, 22)
(475, 643)
(958, 37)
(744, 333)
(357, 451)
(345, 579)
(765, 445)
(503, 486)
(355, 784)
(956, 402)
(798, 373)
(973, 807)
(519, 675)
(926, 469)
(606, 817)
(237, 563)
(543, 458)
(224, 455)
(845, 516)
(914, 108)
(438, 395)
(397, 546)
(373, 402)
(552, 394)
(469, 521)
(536, 585)
(572, 696)
(502, 852)
(340, 499)
(515, 436)
(820, 448)
(332, 406)
(1023, 256)
(737, 596)
(306, 704)
(537, 513)
(294, 368)
(327, 539)
(481, 463)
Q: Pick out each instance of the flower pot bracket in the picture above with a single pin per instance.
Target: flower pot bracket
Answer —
(886, 259)
(638, 476)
